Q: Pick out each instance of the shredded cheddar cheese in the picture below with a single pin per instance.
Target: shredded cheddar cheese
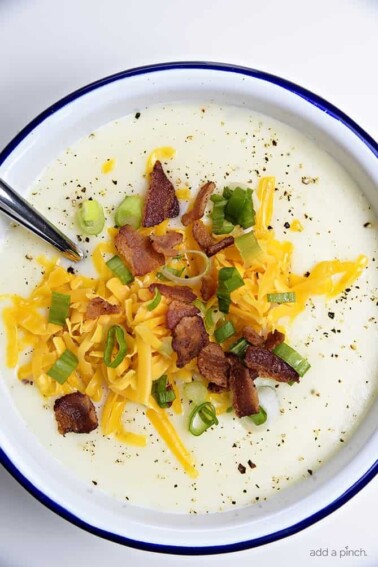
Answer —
(149, 350)
(159, 154)
(108, 166)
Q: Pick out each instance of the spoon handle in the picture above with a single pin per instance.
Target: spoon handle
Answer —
(19, 210)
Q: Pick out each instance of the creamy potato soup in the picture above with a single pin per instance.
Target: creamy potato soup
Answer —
(317, 207)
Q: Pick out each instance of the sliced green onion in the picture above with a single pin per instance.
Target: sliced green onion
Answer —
(174, 271)
(247, 215)
(292, 358)
(201, 418)
(220, 224)
(235, 205)
(248, 248)
(259, 418)
(91, 217)
(166, 347)
(224, 302)
(239, 347)
(224, 332)
(59, 308)
(192, 280)
(227, 192)
(229, 279)
(63, 367)
(162, 392)
(212, 318)
(116, 334)
(130, 212)
(119, 269)
(200, 305)
(195, 392)
(286, 297)
(155, 300)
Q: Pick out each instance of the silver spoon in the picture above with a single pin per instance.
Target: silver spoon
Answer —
(19, 210)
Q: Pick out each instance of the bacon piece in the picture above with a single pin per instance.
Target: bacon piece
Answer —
(207, 242)
(166, 243)
(213, 365)
(161, 201)
(208, 287)
(189, 338)
(267, 364)
(180, 292)
(252, 336)
(98, 306)
(199, 205)
(245, 399)
(137, 252)
(274, 339)
(75, 413)
(177, 310)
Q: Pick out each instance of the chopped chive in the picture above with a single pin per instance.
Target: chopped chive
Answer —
(220, 224)
(200, 305)
(248, 248)
(155, 300)
(130, 211)
(224, 332)
(259, 418)
(235, 205)
(292, 358)
(59, 308)
(178, 273)
(212, 317)
(63, 367)
(239, 347)
(229, 280)
(202, 418)
(286, 297)
(115, 337)
(162, 392)
(119, 269)
(91, 217)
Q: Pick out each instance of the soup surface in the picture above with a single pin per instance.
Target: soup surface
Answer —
(339, 337)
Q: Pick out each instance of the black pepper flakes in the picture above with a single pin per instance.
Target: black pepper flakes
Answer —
(137, 115)
(309, 472)
(241, 468)
(251, 465)
(331, 315)
(287, 225)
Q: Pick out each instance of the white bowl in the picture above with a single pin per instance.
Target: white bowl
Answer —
(22, 160)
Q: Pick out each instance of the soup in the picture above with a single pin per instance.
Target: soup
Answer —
(317, 207)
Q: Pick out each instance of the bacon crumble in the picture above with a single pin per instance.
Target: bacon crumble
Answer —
(207, 242)
(165, 244)
(273, 340)
(269, 365)
(214, 365)
(177, 310)
(137, 252)
(252, 336)
(245, 399)
(199, 205)
(161, 202)
(208, 287)
(189, 338)
(180, 293)
(98, 306)
(75, 413)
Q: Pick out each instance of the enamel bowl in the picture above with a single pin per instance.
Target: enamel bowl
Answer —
(20, 452)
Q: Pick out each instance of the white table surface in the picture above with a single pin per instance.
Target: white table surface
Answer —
(49, 48)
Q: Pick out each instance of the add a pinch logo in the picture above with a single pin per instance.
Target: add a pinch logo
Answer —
(343, 552)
